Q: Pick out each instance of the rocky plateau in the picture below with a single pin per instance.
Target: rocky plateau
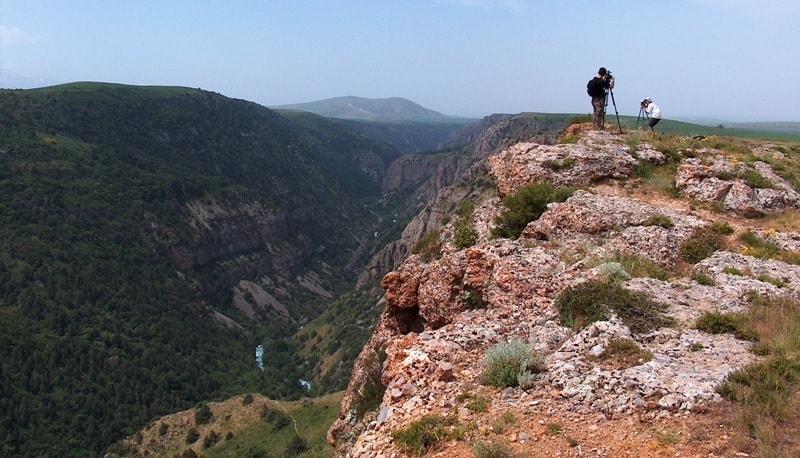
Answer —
(427, 348)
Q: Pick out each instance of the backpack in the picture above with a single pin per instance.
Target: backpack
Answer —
(596, 87)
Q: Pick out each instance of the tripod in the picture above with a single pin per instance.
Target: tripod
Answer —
(613, 102)
(643, 116)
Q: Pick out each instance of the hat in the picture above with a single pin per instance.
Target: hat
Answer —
(648, 99)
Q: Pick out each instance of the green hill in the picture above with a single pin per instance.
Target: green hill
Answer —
(150, 238)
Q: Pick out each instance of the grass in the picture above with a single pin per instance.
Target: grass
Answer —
(737, 324)
(767, 393)
(638, 266)
(421, 436)
(622, 353)
(241, 430)
(493, 449)
(474, 402)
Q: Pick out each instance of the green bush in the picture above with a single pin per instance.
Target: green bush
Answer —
(722, 227)
(465, 235)
(474, 402)
(428, 247)
(493, 449)
(421, 436)
(527, 205)
(472, 298)
(727, 323)
(703, 242)
(510, 364)
(211, 439)
(583, 304)
(203, 415)
(295, 447)
(192, 435)
(758, 247)
(702, 278)
(659, 220)
(565, 163)
(278, 419)
(752, 178)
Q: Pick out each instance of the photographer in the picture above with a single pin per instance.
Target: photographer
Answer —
(653, 112)
(597, 89)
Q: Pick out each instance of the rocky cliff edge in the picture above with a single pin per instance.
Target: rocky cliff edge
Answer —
(425, 355)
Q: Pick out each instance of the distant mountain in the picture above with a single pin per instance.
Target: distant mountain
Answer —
(390, 109)
(14, 81)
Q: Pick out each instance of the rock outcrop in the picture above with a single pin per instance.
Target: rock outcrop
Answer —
(441, 315)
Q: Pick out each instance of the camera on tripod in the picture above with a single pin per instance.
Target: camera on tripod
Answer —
(608, 76)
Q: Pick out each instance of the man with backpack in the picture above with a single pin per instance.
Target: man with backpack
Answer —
(597, 89)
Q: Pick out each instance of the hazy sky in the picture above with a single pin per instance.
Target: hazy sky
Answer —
(736, 60)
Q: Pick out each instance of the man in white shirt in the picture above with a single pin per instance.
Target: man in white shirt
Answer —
(653, 111)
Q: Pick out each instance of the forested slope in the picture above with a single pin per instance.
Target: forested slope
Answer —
(129, 216)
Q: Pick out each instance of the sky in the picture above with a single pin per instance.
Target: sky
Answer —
(713, 60)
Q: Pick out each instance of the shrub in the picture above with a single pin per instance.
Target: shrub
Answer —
(638, 266)
(465, 234)
(702, 278)
(722, 227)
(493, 449)
(295, 447)
(465, 208)
(569, 139)
(752, 178)
(726, 323)
(510, 364)
(248, 399)
(475, 403)
(659, 220)
(192, 435)
(203, 414)
(703, 242)
(368, 397)
(428, 247)
(472, 298)
(565, 163)
(527, 205)
(278, 419)
(758, 247)
(551, 429)
(579, 119)
(732, 271)
(592, 301)
(613, 271)
(421, 436)
(624, 353)
(211, 439)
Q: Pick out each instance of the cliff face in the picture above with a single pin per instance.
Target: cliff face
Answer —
(426, 351)
(433, 177)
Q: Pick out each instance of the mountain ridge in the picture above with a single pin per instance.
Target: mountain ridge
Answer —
(395, 109)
